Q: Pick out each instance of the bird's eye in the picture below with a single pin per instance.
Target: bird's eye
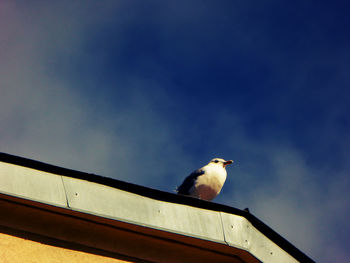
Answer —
(216, 161)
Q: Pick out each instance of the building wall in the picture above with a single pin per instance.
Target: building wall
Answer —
(18, 250)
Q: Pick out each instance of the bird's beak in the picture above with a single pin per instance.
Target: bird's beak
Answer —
(228, 162)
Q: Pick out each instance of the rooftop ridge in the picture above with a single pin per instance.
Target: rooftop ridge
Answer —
(159, 195)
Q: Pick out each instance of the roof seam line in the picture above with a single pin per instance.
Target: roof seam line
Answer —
(223, 229)
(65, 192)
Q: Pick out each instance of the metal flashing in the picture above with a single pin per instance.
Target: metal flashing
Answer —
(117, 200)
(31, 184)
(128, 207)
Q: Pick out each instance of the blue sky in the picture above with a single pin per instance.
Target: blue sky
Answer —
(148, 91)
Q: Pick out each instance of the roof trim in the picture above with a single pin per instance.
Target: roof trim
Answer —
(161, 196)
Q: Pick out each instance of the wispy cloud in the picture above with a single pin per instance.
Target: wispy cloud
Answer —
(48, 117)
(291, 196)
(58, 110)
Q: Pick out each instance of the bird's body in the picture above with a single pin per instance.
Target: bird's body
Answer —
(206, 182)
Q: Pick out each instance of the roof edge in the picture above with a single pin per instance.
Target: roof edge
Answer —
(161, 196)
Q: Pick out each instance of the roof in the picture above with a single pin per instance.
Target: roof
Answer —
(129, 203)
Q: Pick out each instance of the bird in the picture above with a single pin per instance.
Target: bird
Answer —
(205, 183)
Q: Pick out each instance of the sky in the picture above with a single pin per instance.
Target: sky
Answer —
(148, 91)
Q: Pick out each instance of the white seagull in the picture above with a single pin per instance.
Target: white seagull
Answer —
(205, 183)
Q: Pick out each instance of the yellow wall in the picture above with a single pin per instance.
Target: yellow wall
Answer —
(18, 250)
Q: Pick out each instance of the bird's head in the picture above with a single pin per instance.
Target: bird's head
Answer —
(221, 162)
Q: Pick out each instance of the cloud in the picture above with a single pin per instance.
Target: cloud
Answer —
(49, 117)
(290, 195)
(133, 127)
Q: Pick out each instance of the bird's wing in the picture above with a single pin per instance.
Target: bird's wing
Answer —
(184, 188)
